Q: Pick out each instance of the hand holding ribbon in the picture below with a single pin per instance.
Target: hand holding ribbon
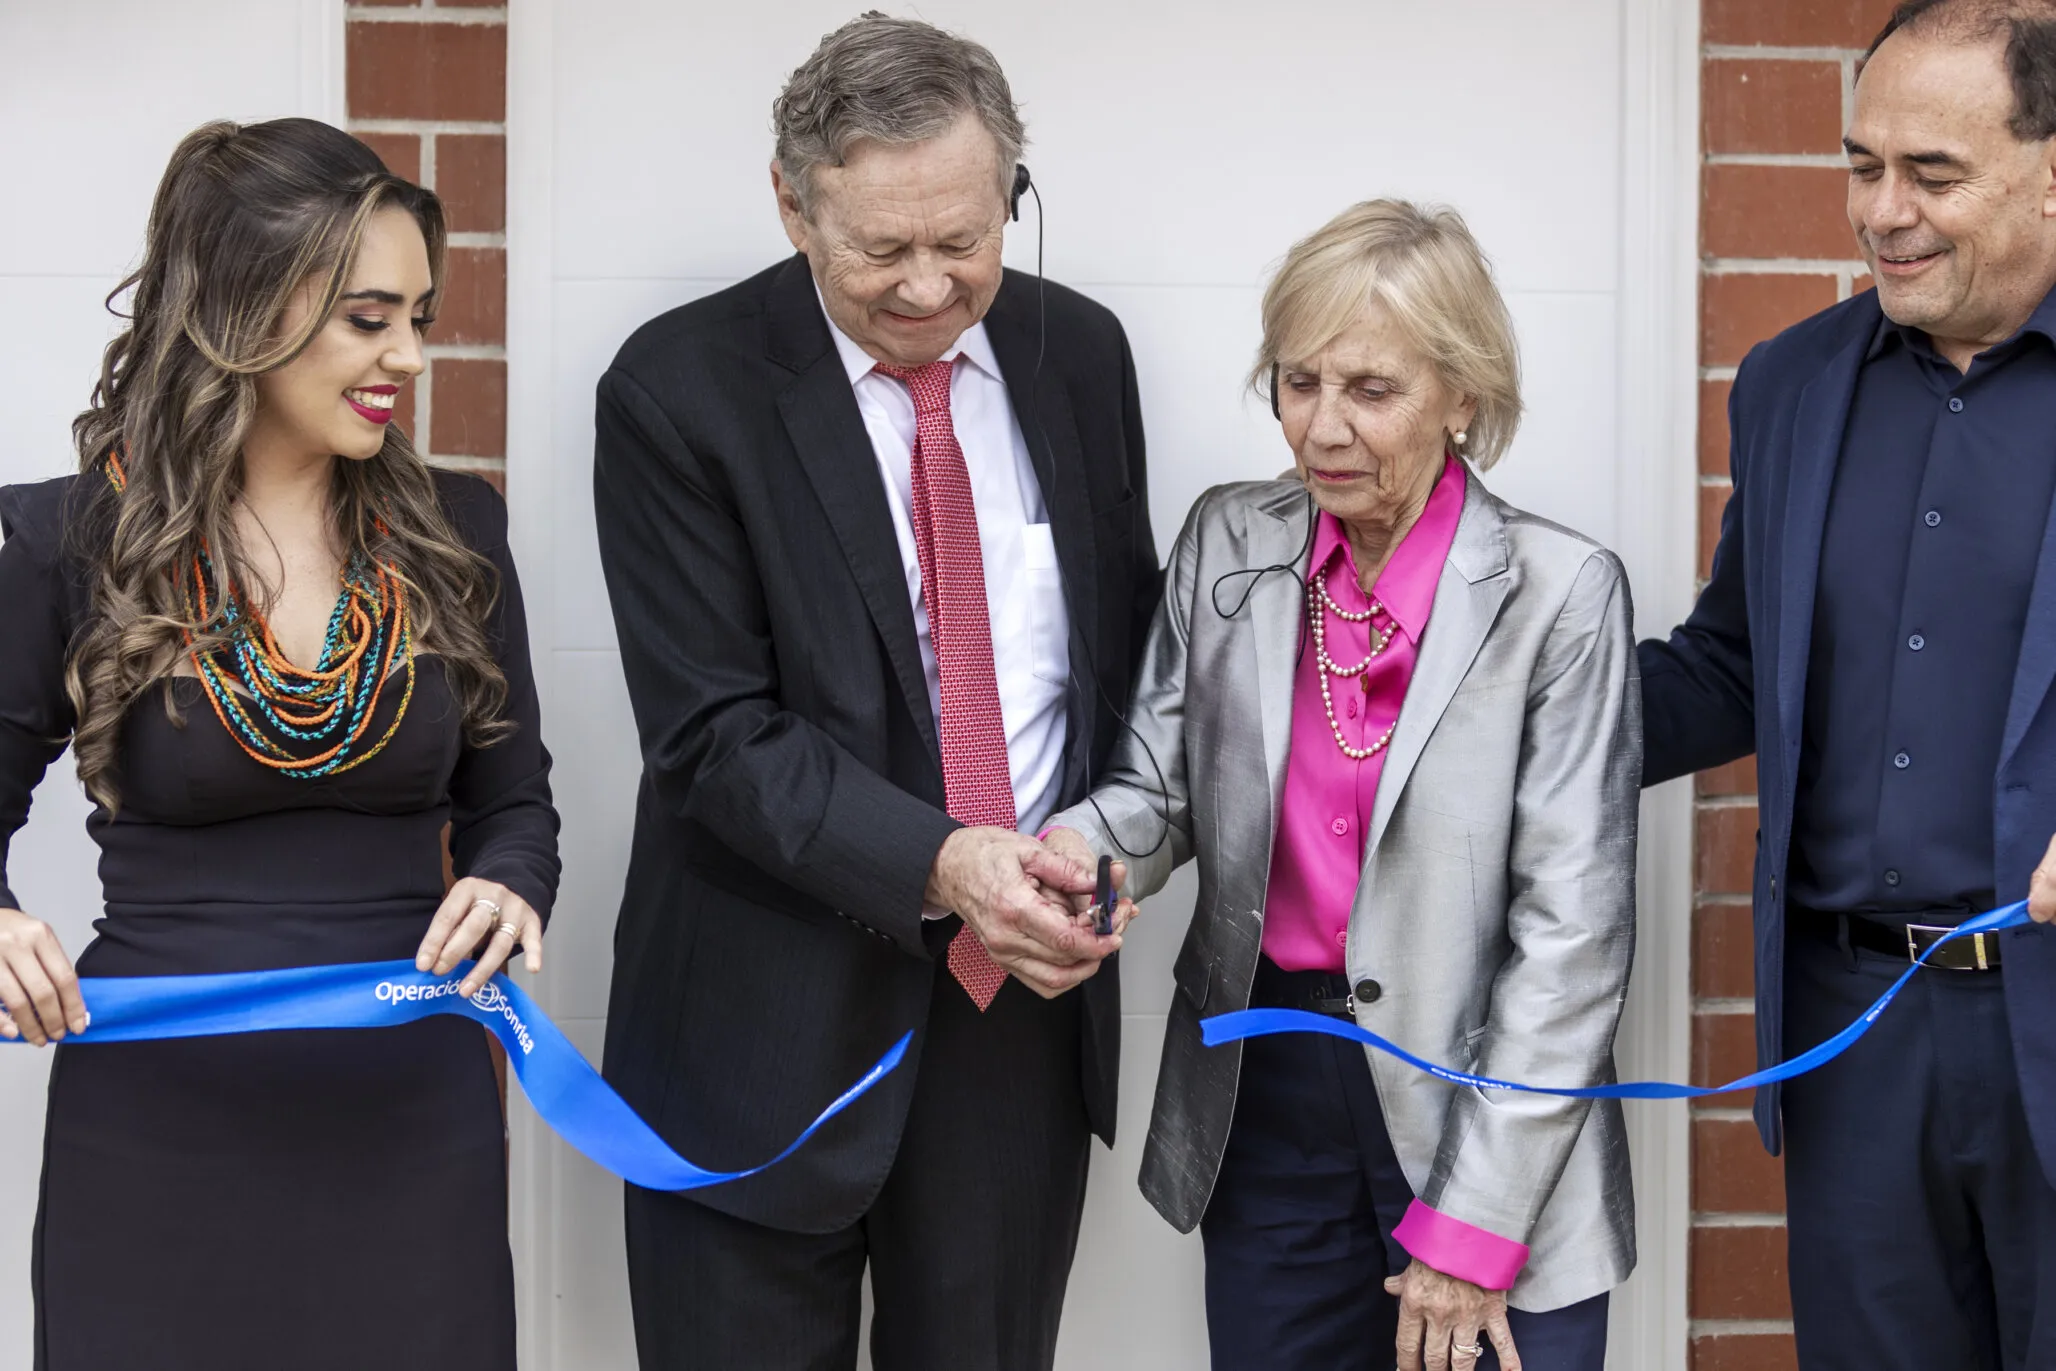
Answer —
(39, 991)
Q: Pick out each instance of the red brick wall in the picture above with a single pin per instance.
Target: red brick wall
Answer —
(426, 84)
(1775, 246)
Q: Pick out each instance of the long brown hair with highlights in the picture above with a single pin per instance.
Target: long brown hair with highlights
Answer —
(245, 217)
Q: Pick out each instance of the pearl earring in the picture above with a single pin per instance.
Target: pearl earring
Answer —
(1462, 436)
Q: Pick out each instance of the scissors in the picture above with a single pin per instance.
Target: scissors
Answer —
(1103, 907)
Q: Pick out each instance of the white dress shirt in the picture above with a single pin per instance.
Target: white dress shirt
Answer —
(1031, 654)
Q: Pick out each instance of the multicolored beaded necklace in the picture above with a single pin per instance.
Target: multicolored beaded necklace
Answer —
(329, 708)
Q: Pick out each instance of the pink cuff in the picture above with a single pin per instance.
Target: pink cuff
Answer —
(1459, 1249)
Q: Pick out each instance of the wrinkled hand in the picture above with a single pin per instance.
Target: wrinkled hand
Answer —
(38, 988)
(1015, 895)
(1070, 844)
(2041, 888)
(1438, 1314)
(466, 926)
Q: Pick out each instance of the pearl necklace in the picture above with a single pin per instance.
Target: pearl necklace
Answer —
(1319, 606)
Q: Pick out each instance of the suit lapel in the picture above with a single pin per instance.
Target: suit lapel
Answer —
(827, 431)
(1276, 532)
(2037, 666)
(1474, 585)
(1817, 429)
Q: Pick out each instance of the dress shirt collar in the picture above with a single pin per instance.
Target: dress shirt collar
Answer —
(1406, 587)
(972, 343)
(2042, 322)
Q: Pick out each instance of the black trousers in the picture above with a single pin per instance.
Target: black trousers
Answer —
(1299, 1231)
(969, 1243)
(1922, 1230)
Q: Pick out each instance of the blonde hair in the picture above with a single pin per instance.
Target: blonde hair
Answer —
(1421, 263)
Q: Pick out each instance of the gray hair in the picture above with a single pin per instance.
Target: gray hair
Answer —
(894, 81)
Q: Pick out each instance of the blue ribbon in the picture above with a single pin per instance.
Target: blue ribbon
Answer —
(567, 1093)
(1256, 1023)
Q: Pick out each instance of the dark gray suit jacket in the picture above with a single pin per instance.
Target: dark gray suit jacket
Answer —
(770, 945)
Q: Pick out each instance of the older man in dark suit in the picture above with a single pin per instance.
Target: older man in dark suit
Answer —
(1880, 629)
(875, 528)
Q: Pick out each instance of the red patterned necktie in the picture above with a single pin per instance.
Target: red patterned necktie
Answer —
(977, 784)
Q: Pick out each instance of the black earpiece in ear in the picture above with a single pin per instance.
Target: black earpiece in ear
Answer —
(1022, 180)
(1276, 413)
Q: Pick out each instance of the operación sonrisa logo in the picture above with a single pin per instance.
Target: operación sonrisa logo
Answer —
(489, 1000)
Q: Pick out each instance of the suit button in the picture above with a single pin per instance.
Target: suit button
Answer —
(1340, 826)
(1368, 990)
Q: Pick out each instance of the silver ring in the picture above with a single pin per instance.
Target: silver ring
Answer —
(511, 929)
(1469, 1349)
(489, 904)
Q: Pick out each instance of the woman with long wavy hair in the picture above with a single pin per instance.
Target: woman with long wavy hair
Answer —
(286, 655)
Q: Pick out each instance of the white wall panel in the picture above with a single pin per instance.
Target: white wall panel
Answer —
(1181, 147)
(93, 96)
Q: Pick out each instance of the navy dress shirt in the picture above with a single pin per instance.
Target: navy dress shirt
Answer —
(1940, 501)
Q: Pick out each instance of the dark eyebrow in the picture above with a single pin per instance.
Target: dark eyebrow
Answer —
(384, 297)
(1918, 159)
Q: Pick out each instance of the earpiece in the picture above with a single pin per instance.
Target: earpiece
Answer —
(1022, 181)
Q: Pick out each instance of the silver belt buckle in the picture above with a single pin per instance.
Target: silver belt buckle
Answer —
(1977, 945)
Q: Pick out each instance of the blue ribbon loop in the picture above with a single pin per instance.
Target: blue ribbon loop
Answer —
(1257, 1023)
(566, 1092)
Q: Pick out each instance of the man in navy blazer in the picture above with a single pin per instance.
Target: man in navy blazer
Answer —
(1880, 629)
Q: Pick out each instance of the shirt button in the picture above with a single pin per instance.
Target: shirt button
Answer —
(1368, 990)
(1352, 709)
(1916, 642)
(1934, 518)
(1891, 877)
(1340, 826)
(1902, 761)
(1956, 404)
(1342, 938)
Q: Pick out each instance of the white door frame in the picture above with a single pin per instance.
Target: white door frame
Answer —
(1658, 473)
(1658, 399)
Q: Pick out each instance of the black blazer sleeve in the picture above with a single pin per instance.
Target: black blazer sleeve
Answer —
(35, 713)
(702, 670)
(503, 826)
(1698, 698)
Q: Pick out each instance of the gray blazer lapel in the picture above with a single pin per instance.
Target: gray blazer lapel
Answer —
(1276, 530)
(1474, 585)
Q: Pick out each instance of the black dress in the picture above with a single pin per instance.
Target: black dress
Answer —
(314, 1200)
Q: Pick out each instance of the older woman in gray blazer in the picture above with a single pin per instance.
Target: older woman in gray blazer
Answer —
(1397, 723)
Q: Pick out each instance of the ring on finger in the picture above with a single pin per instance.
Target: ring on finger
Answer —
(483, 903)
(1469, 1349)
(510, 928)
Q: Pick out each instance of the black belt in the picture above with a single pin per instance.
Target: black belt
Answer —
(1317, 992)
(1978, 952)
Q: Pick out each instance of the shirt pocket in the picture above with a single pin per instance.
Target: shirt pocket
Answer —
(1050, 652)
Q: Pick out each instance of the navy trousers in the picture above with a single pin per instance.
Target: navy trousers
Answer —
(1922, 1231)
(1298, 1234)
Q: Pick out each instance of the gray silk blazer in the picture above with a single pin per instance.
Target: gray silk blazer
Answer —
(1497, 904)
